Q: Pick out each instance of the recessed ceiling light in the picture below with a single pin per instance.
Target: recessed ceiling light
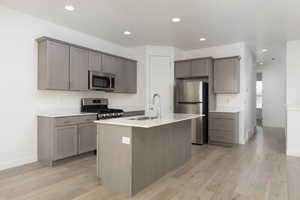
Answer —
(265, 50)
(261, 63)
(176, 19)
(202, 39)
(69, 7)
(127, 33)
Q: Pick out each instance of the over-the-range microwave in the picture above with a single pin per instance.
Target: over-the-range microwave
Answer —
(101, 81)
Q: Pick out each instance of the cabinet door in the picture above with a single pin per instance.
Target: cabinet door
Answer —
(87, 137)
(115, 65)
(183, 69)
(79, 62)
(65, 142)
(129, 79)
(95, 61)
(56, 68)
(200, 68)
(227, 75)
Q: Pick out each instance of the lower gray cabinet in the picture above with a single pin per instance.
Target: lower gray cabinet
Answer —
(65, 142)
(223, 128)
(87, 135)
(62, 137)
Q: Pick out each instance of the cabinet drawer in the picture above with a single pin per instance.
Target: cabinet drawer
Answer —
(62, 121)
(214, 115)
(222, 136)
(221, 124)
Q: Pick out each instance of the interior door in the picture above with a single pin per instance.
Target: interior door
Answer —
(160, 82)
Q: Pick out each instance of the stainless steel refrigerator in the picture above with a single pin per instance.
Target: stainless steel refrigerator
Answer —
(191, 96)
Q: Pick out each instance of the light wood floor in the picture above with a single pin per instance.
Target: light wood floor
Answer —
(257, 170)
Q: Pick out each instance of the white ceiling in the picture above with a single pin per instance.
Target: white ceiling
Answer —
(261, 24)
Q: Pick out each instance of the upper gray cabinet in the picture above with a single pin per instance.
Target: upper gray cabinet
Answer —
(124, 70)
(227, 75)
(95, 61)
(79, 62)
(130, 80)
(53, 65)
(183, 69)
(64, 66)
(193, 68)
(200, 67)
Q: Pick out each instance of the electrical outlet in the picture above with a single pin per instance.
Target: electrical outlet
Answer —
(125, 140)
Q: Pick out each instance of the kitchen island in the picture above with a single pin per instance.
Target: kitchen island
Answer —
(134, 152)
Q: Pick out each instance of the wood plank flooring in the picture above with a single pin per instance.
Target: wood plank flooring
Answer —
(255, 171)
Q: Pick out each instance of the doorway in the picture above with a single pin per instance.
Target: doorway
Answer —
(259, 99)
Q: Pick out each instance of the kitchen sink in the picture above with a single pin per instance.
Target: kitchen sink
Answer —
(143, 118)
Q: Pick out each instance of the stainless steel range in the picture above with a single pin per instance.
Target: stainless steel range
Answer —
(100, 106)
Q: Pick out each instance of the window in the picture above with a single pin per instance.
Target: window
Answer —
(259, 96)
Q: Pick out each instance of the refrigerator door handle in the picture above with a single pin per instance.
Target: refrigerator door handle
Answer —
(182, 102)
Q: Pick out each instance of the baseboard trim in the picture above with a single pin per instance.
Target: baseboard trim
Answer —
(293, 153)
(17, 162)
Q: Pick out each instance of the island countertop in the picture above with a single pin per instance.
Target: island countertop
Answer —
(169, 119)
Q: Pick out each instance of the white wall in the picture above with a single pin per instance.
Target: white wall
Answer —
(293, 97)
(21, 101)
(274, 95)
(245, 101)
(250, 93)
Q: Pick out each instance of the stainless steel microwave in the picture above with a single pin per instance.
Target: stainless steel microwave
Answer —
(101, 81)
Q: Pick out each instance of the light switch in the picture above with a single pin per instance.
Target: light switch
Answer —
(125, 140)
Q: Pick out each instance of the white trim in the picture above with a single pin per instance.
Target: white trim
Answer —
(293, 153)
(14, 163)
(293, 107)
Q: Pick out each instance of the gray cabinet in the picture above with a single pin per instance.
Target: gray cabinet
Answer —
(193, 68)
(129, 80)
(62, 137)
(125, 72)
(200, 68)
(183, 69)
(53, 65)
(223, 128)
(95, 61)
(227, 75)
(87, 134)
(79, 62)
(65, 142)
(64, 66)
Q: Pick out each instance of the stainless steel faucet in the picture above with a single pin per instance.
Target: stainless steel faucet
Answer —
(158, 109)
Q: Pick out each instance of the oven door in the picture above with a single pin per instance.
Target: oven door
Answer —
(100, 81)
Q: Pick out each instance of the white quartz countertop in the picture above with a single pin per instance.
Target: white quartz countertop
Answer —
(64, 114)
(225, 110)
(172, 118)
